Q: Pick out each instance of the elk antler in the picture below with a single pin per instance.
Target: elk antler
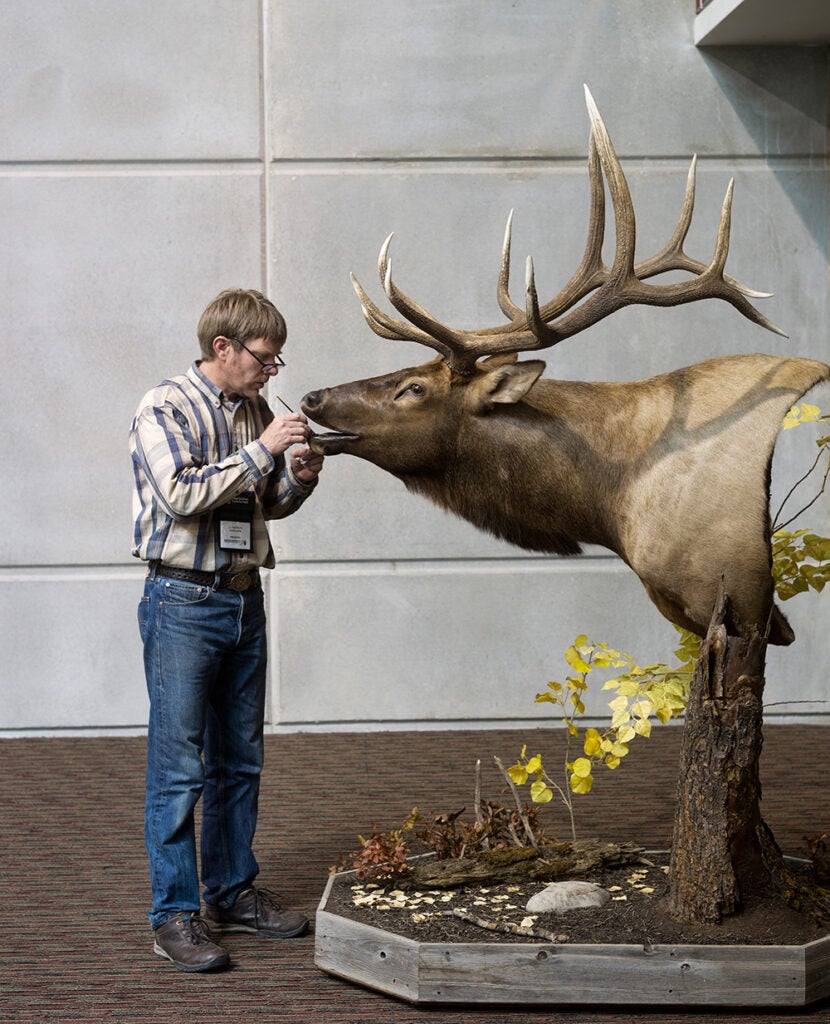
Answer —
(609, 288)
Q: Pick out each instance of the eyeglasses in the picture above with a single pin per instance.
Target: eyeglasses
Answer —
(268, 367)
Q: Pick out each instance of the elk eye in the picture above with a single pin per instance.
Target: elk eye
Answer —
(415, 388)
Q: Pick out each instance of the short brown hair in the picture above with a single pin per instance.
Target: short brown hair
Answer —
(240, 313)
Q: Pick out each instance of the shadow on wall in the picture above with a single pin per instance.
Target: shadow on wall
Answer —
(792, 121)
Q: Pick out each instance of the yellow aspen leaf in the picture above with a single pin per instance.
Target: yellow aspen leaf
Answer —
(593, 743)
(518, 773)
(580, 784)
(575, 660)
(626, 734)
(581, 767)
(612, 762)
(534, 764)
(540, 793)
(643, 727)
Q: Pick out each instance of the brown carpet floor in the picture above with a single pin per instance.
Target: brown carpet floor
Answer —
(73, 877)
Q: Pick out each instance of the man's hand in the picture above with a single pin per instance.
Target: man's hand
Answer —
(306, 464)
(283, 431)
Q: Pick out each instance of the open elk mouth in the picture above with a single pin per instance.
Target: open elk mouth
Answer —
(332, 443)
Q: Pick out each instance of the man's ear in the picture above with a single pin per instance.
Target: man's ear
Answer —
(221, 347)
(508, 383)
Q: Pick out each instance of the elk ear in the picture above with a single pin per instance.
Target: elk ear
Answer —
(500, 359)
(510, 382)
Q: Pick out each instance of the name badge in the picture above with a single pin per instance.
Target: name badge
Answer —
(236, 523)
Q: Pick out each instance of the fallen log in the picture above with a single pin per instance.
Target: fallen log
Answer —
(551, 862)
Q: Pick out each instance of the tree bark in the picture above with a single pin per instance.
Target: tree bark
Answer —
(717, 857)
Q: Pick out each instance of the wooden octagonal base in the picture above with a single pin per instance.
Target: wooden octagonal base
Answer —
(569, 975)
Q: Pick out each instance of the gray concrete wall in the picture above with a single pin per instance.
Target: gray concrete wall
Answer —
(152, 153)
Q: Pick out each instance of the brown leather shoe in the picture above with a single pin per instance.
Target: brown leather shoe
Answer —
(258, 912)
(186, 940)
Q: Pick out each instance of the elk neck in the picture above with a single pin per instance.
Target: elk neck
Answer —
(530, 475)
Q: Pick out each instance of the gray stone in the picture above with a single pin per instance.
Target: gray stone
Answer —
(561, 896)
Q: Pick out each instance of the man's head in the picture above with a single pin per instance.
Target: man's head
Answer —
(240, 313)
(241, 334)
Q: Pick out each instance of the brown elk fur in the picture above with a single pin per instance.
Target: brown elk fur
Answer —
(671, 473)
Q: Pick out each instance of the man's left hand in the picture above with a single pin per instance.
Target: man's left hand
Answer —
(306, 464)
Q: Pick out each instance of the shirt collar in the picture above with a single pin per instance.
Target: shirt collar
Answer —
(216, 396)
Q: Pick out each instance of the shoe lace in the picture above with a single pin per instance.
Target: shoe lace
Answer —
(196, 929)
(265, 899)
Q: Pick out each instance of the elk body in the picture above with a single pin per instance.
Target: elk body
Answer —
(671, 473)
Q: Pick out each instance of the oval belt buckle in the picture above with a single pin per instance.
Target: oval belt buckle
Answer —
(241, 581)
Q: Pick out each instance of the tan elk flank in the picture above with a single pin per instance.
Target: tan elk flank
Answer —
(671, 473)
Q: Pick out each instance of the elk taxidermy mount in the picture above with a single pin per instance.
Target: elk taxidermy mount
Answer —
(671, 473)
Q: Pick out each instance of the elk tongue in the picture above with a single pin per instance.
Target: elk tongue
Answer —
(330, 444)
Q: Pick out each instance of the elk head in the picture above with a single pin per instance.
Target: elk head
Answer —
(549, 464)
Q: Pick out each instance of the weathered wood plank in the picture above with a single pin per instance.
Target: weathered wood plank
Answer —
(570, 975)
(817, 980)
(612, 975)
(369, 956)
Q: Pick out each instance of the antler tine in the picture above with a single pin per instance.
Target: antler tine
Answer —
(672, 256)
(613, 287)
(422, 327)
(592, 271)
(454, 344)
(623, 286)
(711, 283)
(386, 326)
(624, 220)
(506, 304)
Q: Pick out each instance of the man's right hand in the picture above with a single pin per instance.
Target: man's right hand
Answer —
(284, 431)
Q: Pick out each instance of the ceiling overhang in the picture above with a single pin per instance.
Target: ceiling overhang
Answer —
(762, 23)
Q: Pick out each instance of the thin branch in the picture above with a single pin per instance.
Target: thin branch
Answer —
(485, 842)
(505, 926)
(522, 815)
(792, 490)
(815, 499)
(785, 703)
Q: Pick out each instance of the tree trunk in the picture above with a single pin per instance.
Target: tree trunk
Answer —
(717, 856)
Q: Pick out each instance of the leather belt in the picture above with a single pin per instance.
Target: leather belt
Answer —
(238, 581)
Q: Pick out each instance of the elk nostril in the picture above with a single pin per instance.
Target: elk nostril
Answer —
(312, 399)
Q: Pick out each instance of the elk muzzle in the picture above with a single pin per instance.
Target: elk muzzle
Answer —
(333, 443)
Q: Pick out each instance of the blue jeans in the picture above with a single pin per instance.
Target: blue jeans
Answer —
(204, 661)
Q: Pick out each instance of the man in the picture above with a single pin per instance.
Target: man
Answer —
(211, 464)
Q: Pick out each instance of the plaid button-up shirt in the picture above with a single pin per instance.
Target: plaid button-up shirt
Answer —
(193, 451)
